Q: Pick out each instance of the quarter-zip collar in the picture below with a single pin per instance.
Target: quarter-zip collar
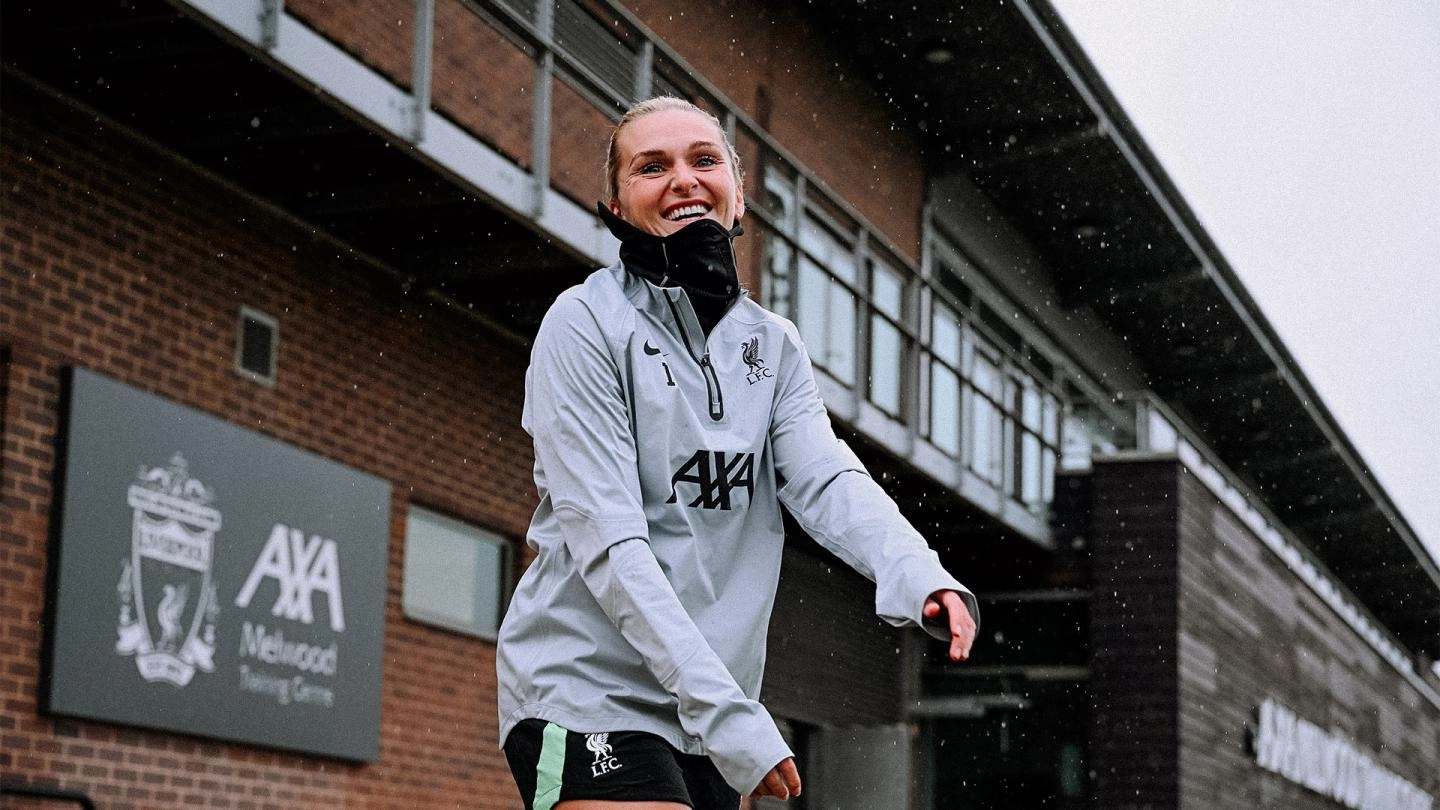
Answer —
(696, 344)
(699, 259)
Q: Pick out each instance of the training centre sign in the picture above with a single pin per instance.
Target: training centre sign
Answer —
(1330, 765)
(214, 581)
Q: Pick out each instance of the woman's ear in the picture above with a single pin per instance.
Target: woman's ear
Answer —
(614, 207)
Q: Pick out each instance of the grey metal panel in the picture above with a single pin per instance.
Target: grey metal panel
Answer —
(237, 591)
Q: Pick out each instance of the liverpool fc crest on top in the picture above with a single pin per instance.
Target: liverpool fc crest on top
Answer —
(750, 353)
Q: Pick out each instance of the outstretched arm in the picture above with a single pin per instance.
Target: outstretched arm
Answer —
(832, 496)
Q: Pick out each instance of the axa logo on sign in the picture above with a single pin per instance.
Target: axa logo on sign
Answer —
(301, 567)
(715, 474)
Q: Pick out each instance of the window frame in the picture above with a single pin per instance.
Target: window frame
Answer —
(481, 534)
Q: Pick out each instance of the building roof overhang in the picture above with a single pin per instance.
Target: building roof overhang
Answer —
(1008, 100)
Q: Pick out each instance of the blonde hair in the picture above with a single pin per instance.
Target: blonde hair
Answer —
(654, 105)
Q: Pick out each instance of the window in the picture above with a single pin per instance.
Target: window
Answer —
(826, 307)
(1032, 471)
(779, 203)
(257, 337)
(987, 444)
(887, 355)
(945, 408)
(456, 574)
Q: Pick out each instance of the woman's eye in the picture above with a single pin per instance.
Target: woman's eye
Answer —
(707, 160)
(651, 168)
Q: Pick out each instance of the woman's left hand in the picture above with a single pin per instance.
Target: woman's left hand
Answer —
(962, 624)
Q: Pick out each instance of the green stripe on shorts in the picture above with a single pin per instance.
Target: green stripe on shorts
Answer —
(550, 767)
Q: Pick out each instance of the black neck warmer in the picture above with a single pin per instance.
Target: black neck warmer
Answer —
(698, 259)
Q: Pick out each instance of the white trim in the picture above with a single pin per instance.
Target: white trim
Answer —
(249, 313)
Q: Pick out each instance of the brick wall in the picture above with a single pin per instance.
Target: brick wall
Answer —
(774, 62)
(136, 267)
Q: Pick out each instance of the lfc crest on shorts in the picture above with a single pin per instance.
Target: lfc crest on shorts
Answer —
(605, 761)
(167, 597)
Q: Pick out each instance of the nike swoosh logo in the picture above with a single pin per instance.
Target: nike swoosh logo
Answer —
(650, 349)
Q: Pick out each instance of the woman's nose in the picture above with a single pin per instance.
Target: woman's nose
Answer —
(683, 179)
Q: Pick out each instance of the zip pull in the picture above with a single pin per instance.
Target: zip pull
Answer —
(712, 383)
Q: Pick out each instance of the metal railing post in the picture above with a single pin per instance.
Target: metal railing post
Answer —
(420, 67)
(645, 71)
(544, 79)
(270, 11)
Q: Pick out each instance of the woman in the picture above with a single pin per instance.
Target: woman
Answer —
(671, 417)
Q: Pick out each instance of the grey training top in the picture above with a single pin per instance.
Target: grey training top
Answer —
(661, 460)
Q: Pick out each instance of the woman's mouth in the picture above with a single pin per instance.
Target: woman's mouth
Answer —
(685, 212)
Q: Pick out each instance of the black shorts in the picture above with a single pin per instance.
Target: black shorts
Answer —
(551, 764)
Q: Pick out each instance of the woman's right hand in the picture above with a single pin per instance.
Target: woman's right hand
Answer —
(782, 782)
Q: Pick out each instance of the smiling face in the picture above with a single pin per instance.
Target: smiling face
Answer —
(673, 167)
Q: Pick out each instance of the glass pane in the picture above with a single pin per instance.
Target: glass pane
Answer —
(779, 198)
(1030, 409)
(885, 365)
(836, 256)
(487, 576)
(1010, 443)
(1031, 472)
(945, 409)
(1076, 450)
(1051, 420)
(1047, 476)
(840, 346)
(842, 263)
(811, 309)
(985, 441)
(985, 376)
(778, 256)
(945, 329)
(886, 287)
(453, 573)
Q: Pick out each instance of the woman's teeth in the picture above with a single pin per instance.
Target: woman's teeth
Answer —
(685, 213)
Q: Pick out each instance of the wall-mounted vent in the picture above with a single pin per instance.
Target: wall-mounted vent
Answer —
(257, 338)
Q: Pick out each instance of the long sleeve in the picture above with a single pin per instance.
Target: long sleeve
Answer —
(835, 500)
(585, 448)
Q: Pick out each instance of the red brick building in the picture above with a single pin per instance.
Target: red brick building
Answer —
(328, 229)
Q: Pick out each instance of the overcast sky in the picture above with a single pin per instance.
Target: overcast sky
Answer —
(1305, 134)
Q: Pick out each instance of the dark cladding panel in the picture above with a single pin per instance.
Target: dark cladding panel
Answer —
(1198, 622)
(214, 581)
(1134, 621)
(831, 662)
(1252, 634)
